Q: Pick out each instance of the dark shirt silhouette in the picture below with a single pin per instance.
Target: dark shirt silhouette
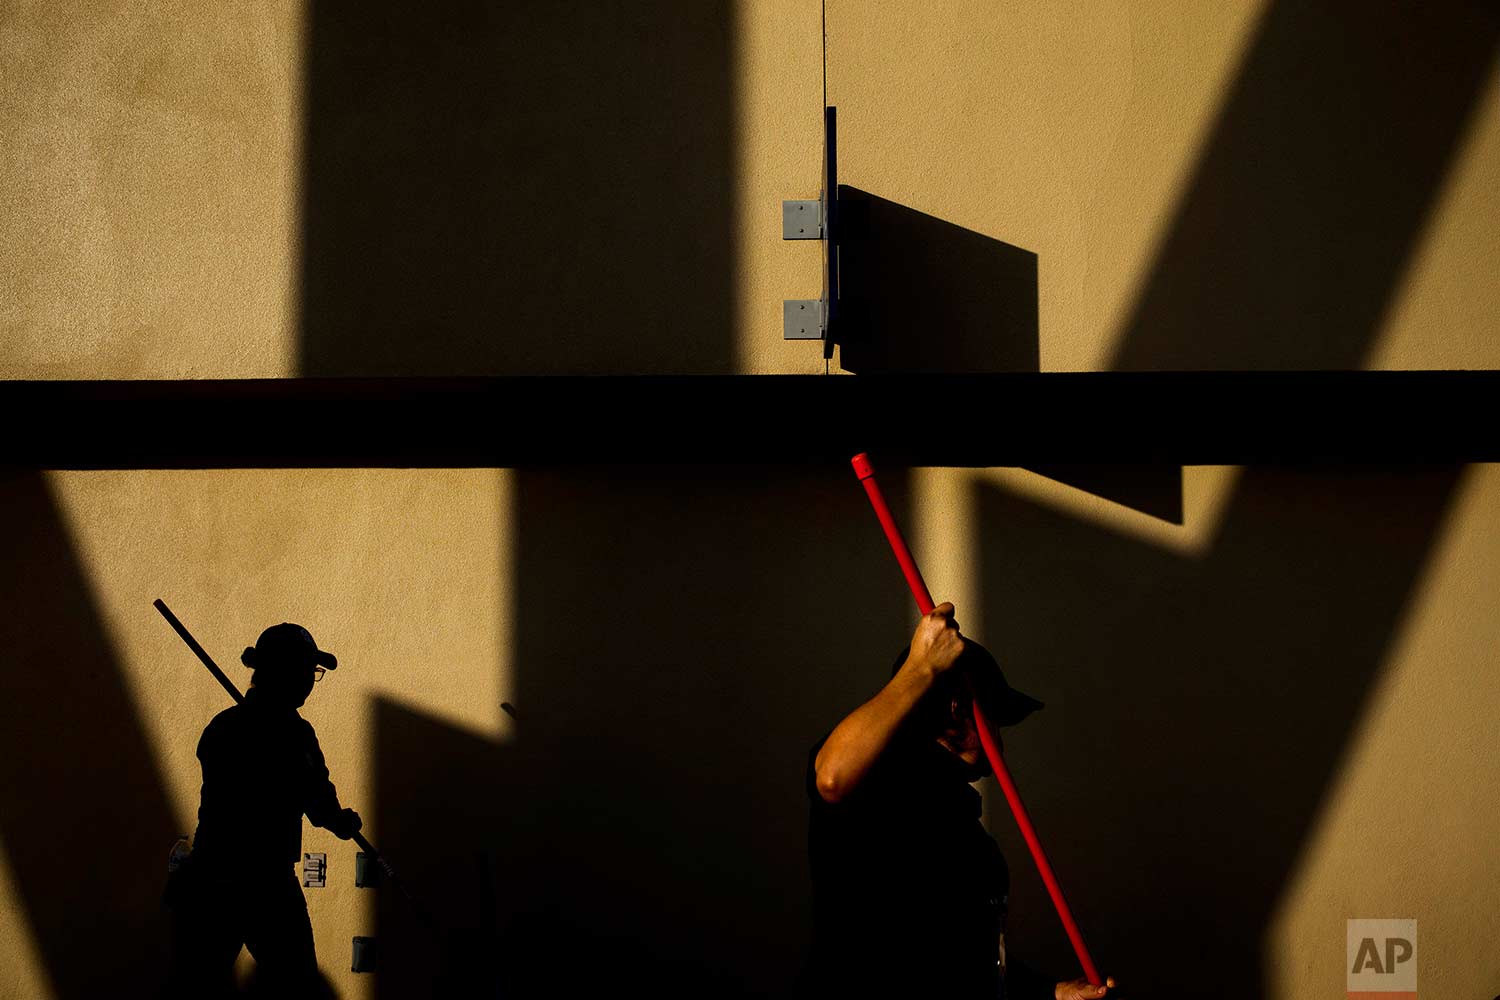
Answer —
(909, 890)
(262, 771)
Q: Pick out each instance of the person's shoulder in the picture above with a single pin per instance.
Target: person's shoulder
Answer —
(222, 726)
(306, 733)
(228, 718)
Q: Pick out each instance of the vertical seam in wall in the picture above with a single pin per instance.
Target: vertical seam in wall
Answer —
(825, 53)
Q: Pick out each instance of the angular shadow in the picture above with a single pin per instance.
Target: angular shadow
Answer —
(922, 295)
(1196, 708)
(84, 819)
(447, 805)
(1313, 186)
(1150, 489)
(674, 662)
(1200, 707)
(518, 188)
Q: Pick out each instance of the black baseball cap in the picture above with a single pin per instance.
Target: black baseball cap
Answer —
(286, 644)
(1003, 705)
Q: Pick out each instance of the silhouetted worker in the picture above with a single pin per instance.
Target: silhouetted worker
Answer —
(909, 890)
(262, 771)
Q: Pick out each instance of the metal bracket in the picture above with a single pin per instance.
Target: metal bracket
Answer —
(315, 870)
(816, 219)
(366, 956)
(366, 871)
(803, 319)
(802, 220)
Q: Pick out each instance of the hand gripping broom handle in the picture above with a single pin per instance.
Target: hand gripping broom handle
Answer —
(234, 692)
(866, 473)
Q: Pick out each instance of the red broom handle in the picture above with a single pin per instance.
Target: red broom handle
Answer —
(866, 473)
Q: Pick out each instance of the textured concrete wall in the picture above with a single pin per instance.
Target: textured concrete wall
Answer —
(1269, 691)
(150, 164)
(190, 190)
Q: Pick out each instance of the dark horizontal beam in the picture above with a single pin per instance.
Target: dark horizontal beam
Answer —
(1180, 418)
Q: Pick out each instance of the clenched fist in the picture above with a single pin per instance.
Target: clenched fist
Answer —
(936, 644)
(1079, 989)
(346, 824)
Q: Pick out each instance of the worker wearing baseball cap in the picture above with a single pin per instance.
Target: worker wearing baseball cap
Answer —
(910, 892)
(262, 772)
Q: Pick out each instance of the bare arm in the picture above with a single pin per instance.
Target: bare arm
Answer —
(856, 742)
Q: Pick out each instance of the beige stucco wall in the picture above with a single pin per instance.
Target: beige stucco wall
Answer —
(1405, 826)
(149, 168)
(150, 227)
(152, 182)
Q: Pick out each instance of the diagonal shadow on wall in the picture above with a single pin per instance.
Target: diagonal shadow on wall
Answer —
(1313, 187)
(1198, 708)
(84, 818)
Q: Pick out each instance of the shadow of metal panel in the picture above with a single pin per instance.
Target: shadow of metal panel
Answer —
(919, 294)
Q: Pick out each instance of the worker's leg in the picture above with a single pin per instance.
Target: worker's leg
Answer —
(206, 937)
(280, 938)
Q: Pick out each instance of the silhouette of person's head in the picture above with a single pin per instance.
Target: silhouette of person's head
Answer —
(945, 712)
(286, 663)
